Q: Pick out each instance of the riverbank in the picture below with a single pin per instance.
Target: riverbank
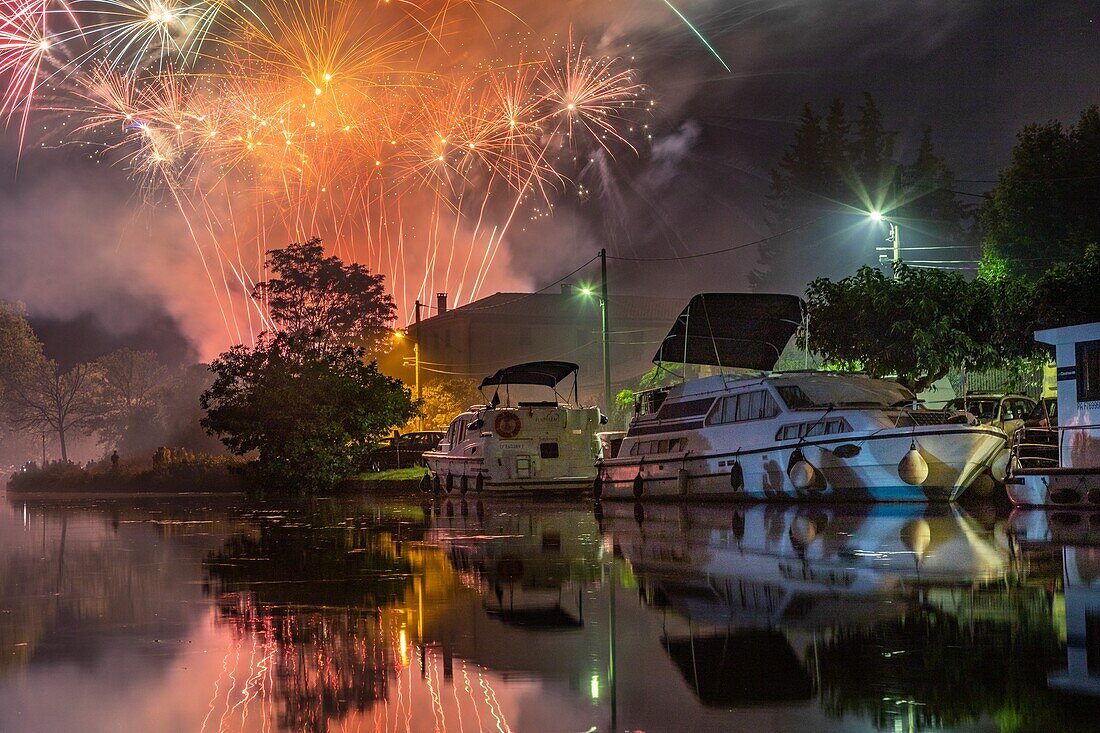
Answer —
(193, 473)
(393, 480)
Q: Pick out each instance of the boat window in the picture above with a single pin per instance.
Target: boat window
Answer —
(1088, 371)
(983, 409)
(649, 402)
(755, 405)
(832, 426)
(548, 450)
(650, 447)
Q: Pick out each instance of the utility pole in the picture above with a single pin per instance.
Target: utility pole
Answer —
(416, 362)
(605, 332)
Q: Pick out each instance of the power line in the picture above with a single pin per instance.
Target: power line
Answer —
(717, 251)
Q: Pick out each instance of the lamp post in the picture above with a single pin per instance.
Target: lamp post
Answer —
(605, 333)
(400, 335)
(893, 236)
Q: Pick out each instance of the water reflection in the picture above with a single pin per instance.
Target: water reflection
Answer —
(457, 615)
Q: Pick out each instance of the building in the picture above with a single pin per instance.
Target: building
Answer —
(510, 328)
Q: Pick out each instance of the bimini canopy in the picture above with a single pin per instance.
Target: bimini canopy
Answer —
(543, 373)
(746, 330)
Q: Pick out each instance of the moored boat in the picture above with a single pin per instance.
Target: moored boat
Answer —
(522, 446)
(798, 435)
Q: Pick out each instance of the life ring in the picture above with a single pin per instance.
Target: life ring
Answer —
(507, 425)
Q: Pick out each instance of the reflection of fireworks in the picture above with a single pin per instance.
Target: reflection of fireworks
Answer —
(278, 119)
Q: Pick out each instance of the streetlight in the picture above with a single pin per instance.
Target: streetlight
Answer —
(401, 335)
(589, 292)
(894, 237)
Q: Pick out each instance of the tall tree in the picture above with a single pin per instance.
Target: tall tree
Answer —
(835, 172)
(1045, 207)
(310, 412)
(325, 299)
(47, 400)
(127, 386)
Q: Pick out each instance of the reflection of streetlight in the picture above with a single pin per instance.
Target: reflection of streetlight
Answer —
(894, 237)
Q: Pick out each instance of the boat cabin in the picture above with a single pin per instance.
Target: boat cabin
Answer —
(1077, 354)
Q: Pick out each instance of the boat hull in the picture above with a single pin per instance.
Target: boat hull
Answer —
(1059, 487)
(848, 467)
(456, 474)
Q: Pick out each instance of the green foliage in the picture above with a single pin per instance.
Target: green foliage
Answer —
(310, 412)
(1045, 207)
(332, 302)
(919, 326)
(443, 399)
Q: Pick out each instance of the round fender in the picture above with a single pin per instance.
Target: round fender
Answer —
(737, 476)
(425, 484)
(450, 483)
(639, 486)
(597, 487)
(464, 484)
(479, 483)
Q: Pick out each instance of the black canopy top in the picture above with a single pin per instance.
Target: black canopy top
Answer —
(747, 330)
(544, 373)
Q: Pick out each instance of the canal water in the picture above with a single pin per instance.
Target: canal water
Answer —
(206, 614)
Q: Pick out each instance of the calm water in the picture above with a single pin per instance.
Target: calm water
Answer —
(203, 614)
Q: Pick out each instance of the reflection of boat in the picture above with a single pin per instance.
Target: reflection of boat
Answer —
(527, 565)
(526, 446)
(1074, 477)
(1081, 579)
(715, 666)
(797, 435)
(761, 565)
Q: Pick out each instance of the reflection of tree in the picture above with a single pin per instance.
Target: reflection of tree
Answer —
(936, 670)
(318, 601)
(326, 664)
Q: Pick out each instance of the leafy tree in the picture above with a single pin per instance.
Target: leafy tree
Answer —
(311, 412)
(916, 327)
(1045, 207)
(1068, 292)
(320, 296)
(442, 399)
(837, 170)
(46, 400)
(128, 388)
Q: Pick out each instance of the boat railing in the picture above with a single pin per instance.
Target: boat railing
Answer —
(1036, 447)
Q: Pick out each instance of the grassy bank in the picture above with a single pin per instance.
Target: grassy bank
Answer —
(185, 473)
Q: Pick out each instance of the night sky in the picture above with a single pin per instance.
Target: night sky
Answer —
(100, 263)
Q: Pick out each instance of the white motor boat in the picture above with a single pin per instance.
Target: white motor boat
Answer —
(531, 445)
(798, 435)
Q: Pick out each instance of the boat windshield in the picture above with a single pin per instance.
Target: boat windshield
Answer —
(983, 409)
(838, 392)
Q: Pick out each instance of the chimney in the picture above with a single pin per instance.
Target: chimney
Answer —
(441, 301)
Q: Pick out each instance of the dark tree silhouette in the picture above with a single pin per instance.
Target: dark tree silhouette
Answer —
(328, 300)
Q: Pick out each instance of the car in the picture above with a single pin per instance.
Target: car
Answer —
(1044, 414)
(402, 451)
(1007, 411)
